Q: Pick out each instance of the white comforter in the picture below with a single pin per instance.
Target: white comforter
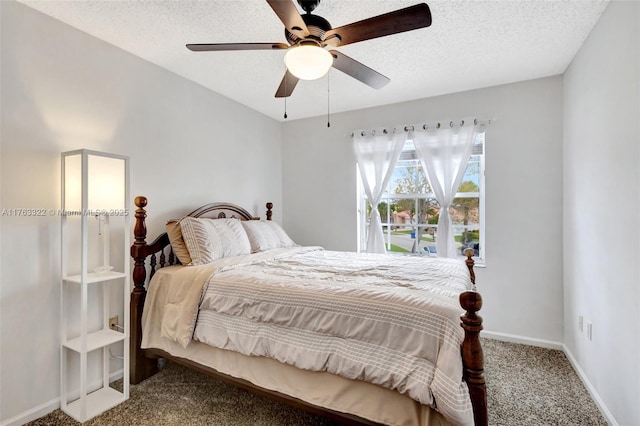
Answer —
(389, 320)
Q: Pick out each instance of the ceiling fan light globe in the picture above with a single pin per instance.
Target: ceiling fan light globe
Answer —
(308, 62)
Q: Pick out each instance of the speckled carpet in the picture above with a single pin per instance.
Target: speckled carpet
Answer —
(526, 386)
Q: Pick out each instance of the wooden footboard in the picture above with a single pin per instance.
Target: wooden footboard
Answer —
(143, 362)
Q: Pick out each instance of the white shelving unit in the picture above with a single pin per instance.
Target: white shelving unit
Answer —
(95, 187)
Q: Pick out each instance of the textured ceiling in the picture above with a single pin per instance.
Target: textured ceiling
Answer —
(471, 44)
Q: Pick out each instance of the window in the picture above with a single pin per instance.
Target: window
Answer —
(409, 210)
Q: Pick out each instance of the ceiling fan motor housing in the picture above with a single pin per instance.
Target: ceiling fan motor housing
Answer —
(308, 5)
(316, 25)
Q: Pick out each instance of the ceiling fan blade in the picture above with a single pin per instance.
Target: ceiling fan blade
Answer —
(358, 70)
(407, 19)
(290, 17)
(287, 85)
(332, 40)
(213, 47)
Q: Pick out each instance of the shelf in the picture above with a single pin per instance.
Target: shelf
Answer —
(96, 340)
(91, 253)
(92, 277)
(97, 402)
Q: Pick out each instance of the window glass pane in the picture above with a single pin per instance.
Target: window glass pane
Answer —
(465, 211)
(404, 211)
(385, 208)
(471, 175)
(409, 178)
(412, 238)
(400, 239)
(466, 223)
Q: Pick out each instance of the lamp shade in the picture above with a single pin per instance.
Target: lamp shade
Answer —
(308, 62)
(103, 177)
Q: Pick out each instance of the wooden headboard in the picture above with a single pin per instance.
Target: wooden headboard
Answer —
(160, 254)
(226, 210)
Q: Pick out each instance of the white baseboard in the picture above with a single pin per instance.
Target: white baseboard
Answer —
(531, 341)
(49, 406)
(594, 394)
(33, 414)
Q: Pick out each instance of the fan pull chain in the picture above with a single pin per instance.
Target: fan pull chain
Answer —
(328, 99)
(285, 92)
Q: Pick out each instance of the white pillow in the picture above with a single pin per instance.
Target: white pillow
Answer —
(285, 241)
(266, 235)
(233, 237)
(202, 240)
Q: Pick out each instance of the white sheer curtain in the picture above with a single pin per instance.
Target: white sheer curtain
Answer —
(444, 152)
(377, 156)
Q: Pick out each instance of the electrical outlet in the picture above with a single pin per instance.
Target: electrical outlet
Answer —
(589, 330)
(113, 323)
(580, 322)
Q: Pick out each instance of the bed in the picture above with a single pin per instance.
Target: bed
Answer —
(190, 325)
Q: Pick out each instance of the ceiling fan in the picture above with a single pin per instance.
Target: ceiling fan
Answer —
(309, 35)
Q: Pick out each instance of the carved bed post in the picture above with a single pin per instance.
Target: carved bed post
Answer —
(472, 356)
(269, 212)
(140, 367)
(469, 261)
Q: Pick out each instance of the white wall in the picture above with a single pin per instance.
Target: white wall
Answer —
(63, 89)
(601, 208)
(522, 281)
